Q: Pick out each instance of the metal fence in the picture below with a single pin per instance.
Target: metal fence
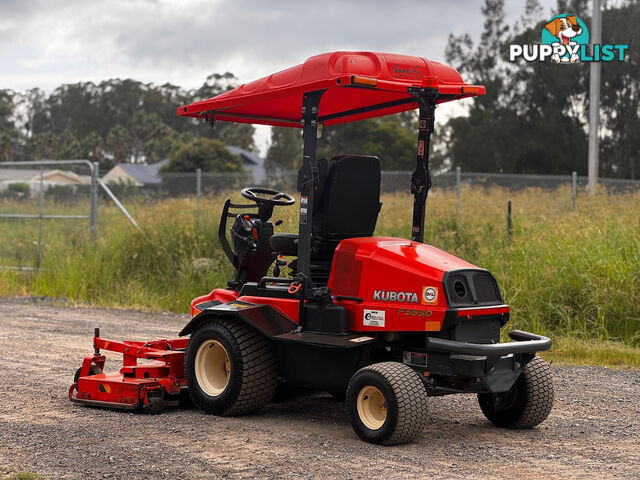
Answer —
(40, 197)
(192, 183)
(18, 182)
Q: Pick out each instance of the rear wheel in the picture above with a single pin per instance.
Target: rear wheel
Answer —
(230, 368)
(526, 404)
(387, 403)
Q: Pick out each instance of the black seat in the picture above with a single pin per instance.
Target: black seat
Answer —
(346, 205)
(349, 202)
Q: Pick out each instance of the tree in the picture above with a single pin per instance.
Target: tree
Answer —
(9, 135)
(285, 151)
(523, 124)
(113, 121)
(533, 118)
(118, 143)
(384, 137)
(620, 96)
(6, 110)
(391, 138)
(207, 154)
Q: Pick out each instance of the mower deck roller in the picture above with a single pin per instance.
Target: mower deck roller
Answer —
(383, 322)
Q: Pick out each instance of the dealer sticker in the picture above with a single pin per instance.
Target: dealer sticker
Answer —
(429, 295)
(373, 318)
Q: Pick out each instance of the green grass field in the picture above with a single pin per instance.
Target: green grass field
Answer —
(572, 275)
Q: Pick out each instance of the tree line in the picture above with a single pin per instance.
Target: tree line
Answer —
(533, 119)
(118, 121)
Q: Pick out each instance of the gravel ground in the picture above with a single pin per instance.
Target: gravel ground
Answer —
(593, 431)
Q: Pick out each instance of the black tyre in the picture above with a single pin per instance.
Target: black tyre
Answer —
(230, 368)
(155, 405)
(387, 403)
(527, 404)
(93, 370)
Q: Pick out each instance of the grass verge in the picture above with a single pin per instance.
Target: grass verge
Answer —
(571, 275)
(574, 351)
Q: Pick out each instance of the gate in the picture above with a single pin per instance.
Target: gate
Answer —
(92, 216)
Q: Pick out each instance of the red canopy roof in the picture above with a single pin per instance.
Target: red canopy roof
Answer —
(358, 85)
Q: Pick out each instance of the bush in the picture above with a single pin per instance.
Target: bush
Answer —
(61, 194)
(121, 188)
(17, 191)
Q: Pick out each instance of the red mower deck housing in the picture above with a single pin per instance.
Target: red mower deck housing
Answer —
(149, 384)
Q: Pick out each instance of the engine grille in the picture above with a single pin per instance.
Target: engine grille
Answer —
(486, 288)
(467, 288)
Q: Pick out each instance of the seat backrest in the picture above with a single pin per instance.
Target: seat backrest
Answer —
(348, 197)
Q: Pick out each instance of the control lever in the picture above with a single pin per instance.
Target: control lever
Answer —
(278, 223)
(280, 262)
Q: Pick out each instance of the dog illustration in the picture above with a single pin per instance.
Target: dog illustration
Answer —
(565, 29)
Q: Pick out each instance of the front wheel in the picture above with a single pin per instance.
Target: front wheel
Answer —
(526, 404)
(387, 403)
(230, 368)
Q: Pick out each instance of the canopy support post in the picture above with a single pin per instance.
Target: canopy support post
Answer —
(307, 183)
(421, 177)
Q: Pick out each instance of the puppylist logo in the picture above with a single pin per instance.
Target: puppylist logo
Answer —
(565, 40)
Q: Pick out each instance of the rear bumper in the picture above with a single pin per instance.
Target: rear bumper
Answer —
(525, 342)
(449, 366)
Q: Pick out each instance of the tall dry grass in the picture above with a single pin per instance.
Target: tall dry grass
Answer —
(565, 273)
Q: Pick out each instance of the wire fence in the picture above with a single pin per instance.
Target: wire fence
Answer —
(32, 197)
(192, 183)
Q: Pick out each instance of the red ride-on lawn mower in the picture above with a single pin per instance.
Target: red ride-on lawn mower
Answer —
(384, 322)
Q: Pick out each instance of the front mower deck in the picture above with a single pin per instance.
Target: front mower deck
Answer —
(153, 384)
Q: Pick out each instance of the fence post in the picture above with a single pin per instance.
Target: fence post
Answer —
(94, 199)
(509, 219)
(41, 213)
(198, 190)
(574, 188)
(458, 175)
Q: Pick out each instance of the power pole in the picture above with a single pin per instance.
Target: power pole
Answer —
(594, 98)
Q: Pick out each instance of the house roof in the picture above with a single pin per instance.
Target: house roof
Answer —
(33, 175)
(247, 156)
(144, 174)
(251, 162)
(17, 174)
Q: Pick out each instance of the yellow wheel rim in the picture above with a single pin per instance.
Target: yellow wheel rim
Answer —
(212, 367)
(372, 407)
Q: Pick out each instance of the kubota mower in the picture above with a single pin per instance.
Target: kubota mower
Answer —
(384, 322)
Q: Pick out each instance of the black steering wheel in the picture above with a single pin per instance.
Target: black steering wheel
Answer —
(276, 198)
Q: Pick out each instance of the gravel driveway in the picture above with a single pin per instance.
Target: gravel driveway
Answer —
(593, 431)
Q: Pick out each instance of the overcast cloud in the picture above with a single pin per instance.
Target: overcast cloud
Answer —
(44, 43)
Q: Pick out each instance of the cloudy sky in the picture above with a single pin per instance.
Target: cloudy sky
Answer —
(47, 43)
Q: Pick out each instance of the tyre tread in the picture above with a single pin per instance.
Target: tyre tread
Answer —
(411, 400)
(539, 394)
(535, 398)
(257, 366)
